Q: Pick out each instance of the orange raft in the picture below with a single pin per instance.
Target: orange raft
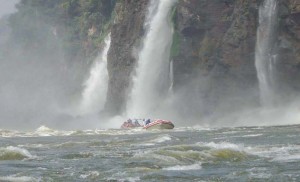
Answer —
(159, 124)
(147, 124)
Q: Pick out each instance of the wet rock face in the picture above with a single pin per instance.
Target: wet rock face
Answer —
(126, 34)
(216, 33)
(289, 46)
(217, 42)
(214, 40)
(289, 36)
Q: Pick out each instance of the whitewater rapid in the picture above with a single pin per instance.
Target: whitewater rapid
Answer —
(182, 154)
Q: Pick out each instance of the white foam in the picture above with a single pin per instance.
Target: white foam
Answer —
(162, 139)
(120, 177)
(21, 151)
(8, 133)
(289, 153)
(259, 172)
(183, 168)
(42, 131)
(90, 174)
(33, 145)
(159, 139)
(260, 175)
(223, 145)
(14, 178)
(253, 135)
(287, 158)
(45, 131)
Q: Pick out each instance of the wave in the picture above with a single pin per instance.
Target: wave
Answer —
(14, 178)
(92, 175)
(287, 158)
(229, 155)
(186, 155)
(183, 168)
(121, 178)
(223, 145)
(14, 153)
(158, 140)
(7, 133)
(289, 153)
(77, 156)
(161, 139)
(259, 173)
(253, 135)
(45, 131)
(227, 151)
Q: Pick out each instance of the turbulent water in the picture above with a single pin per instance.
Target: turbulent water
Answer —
(182, 154)
(152, 81)
(265, 56)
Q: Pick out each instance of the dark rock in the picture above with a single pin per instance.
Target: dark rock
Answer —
(126, 34)
(214, 41)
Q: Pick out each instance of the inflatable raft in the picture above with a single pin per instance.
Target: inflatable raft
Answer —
(147, 124)
(159, 124)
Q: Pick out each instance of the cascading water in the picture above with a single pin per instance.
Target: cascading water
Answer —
(265, 57)
(171, 76)
(151, 83)
(95, 87)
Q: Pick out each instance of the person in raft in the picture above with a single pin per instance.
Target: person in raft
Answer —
(136, 123)
(147, 121)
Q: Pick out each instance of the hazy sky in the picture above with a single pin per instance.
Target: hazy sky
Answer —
(7, 6)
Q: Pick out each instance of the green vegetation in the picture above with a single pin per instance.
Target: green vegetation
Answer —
(176, 36)
(175, 44)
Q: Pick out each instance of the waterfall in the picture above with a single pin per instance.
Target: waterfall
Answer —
(171, 76)
(95, 87)
(151, 82)
(265, 57)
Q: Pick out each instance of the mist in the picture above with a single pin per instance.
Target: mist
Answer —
(43, 83)
(7, 7)
(38, 84)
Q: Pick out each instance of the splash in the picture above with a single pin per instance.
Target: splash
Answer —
(95, 87)
(15, 178)
(184, 168)
(265, 58)
(14, 153)
(152, 80)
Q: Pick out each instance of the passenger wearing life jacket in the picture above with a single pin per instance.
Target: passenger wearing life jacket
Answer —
(147, 121)
(136, 123)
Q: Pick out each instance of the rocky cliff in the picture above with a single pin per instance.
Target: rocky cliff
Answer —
(213, 50)
(213, 47)
(216, 43)
(126, 34)
(288, 45)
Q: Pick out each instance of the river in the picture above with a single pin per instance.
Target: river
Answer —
(184, 154)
